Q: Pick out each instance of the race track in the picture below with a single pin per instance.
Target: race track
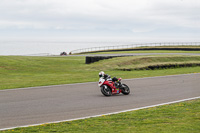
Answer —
(136, 54)
(19, 107)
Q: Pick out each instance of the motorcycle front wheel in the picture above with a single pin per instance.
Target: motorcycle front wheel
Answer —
(125, 89)
(106, 91)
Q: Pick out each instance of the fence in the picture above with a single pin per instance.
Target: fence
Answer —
(39, 54)
(93, 49)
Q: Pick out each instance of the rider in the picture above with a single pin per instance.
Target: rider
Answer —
(106, 76)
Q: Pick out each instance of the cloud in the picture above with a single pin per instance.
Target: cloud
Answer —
(105, 16)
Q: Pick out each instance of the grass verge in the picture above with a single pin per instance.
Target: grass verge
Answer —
(21, 71)
(180, 117)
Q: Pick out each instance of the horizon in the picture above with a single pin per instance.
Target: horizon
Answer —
(123, 21)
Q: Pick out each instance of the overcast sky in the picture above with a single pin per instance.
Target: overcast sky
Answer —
(101, 18)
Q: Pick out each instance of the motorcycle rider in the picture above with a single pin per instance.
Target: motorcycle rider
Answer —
(106, 76)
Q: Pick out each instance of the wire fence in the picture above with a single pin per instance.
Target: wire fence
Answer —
(129, 46)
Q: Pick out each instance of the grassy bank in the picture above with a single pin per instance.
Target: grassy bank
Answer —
(142, 62)
(180, 117)
(21, 71)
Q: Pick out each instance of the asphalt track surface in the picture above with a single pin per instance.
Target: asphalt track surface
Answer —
(136, 54)
(19, 107)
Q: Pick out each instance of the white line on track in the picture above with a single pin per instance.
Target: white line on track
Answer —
(93, 82)
(103, 114)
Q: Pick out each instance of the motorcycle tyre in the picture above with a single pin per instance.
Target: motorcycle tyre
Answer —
(109, 92)
(123, 91)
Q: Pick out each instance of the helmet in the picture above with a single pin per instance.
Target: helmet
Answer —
(101, 74)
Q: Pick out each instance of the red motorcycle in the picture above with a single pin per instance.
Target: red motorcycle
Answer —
(108, 87)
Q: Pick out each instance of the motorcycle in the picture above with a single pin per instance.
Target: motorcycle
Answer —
(108, 87)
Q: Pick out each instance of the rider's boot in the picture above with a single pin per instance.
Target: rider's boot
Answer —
(118, 84)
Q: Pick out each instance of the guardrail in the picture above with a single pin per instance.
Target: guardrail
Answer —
(93, 49)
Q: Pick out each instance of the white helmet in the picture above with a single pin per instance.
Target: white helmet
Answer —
(101, 74)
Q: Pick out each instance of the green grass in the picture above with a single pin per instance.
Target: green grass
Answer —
(175, 118)
(22, 71)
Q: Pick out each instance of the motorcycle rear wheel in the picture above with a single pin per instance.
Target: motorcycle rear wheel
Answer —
(125, 89)
(106, 91)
